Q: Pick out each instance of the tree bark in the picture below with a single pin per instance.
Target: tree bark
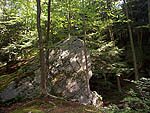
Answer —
(48, 39)
(149, 13)
(131, 42)
(41, 50)
(118, 84)
(85, 52)
(69, 19)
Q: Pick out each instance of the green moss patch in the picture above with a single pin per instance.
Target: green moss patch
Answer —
(28, 110)
(36, 106)
(53, 106)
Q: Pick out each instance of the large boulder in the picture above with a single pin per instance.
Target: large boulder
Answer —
(21, 88)
(70, 72)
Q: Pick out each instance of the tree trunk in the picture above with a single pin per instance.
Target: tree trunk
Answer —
(139, 37)
(118, 84)
(85, 52)
(111, 34)
(69, 19)
(41, 50)
(149, 13)
(48, 39)
(131, 42)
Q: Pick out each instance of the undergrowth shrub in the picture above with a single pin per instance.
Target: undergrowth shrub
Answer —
(137, 101)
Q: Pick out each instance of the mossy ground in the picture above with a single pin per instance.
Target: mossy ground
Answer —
(48, 105)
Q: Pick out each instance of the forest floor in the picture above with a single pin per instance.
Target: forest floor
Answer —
(49, 105)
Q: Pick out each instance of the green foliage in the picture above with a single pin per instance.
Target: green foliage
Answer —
(132, 104)
(143, 86)
(114, 109)
(17, 38)
(16, 42)
(106, 58)
(137, 101)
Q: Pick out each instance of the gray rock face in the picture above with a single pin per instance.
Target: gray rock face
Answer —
(9, 93)
(69, 72)
(27, 87)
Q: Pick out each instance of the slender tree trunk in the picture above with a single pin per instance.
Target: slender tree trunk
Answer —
(85, 52)
(118, 84)
(131, 42)
(111, 33)
(105, 78)
(149, 13)
(69, 19)
(139, 36)
(41, 49)
(48, 39)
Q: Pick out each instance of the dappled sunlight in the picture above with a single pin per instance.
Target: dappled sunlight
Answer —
(72, 86)
(69, 72)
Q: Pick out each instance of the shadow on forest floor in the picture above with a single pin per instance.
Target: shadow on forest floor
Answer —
(110, 93)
